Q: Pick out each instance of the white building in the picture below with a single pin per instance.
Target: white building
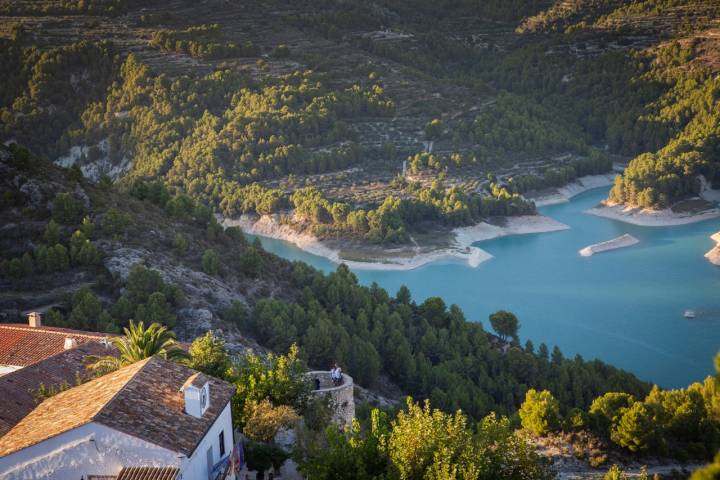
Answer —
(153, 419)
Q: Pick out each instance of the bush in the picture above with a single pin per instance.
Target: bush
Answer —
(210, 262)
(637, 429)
(540, 412)
(606, 410)
(66, 209)
(265, 420)
(209, 355)
(114, 222)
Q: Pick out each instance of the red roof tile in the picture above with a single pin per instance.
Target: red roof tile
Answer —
(23, 345)
(18, 388)
(148, 473)
(142, 400)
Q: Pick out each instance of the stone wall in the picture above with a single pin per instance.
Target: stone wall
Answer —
(341, 396)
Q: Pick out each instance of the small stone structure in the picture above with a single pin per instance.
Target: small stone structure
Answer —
(341, 396)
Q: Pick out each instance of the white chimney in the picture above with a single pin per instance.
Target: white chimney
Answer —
(70, 343)
(34, 319)
(197, 395)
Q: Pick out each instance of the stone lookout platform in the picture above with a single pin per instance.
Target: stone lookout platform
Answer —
(341, 395)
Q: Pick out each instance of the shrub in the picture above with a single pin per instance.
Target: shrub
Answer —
(540, 412)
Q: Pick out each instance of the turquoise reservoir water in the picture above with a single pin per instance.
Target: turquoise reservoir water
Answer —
(624, 306)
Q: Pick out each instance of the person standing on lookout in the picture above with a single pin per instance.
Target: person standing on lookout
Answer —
(333, 373)
(338, 375)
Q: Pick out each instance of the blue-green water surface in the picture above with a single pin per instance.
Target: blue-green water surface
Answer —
(624, 306)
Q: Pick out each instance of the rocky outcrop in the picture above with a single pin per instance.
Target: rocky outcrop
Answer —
(205, 295)
(713, 255)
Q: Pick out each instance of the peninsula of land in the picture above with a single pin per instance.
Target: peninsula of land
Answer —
(455, 245)
(652, 218)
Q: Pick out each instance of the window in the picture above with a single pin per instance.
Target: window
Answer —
(222, 444)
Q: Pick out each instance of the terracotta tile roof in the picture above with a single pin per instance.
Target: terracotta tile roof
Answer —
(67, 410)
(142, 400)
(23, 345)
(18, 388)
(153, 408)
(148, 473)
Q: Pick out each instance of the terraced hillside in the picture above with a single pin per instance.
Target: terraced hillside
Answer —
(243, 104)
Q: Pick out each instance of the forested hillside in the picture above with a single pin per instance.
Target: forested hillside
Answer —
(74, 232)
(78, 247)
(246, 104)
(165, 116)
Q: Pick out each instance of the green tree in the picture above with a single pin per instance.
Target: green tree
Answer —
(210, 262)
(77, 240)
(156, 310)
(505, 324)
(235, 314)
(114, 222)
(264, 420)
(709, 472)
(54, 318)
(424, 442)
(52, 233)
(251, 261)
(88, 254)
(280, 379)
(86, 310)
(180, 243)
(87, 227)
(141, 282)
(139, 343)
(540, 412)
(54, 259)
(712, 470)
(606, 410)
(434, 129)
(209, 355)
(637, 429)
(65, 209)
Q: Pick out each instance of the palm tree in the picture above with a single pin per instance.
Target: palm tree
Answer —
(140, 343)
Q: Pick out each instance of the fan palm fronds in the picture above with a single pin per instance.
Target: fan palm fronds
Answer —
(139, 343)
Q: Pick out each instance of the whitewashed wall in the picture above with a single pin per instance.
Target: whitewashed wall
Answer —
(91, 449)
(95, 449)
(195, 467)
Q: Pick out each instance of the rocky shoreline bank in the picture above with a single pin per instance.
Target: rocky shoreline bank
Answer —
(459, 247)
(651, 218)
(713, 255)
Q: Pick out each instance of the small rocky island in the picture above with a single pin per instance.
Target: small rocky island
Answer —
(619, 242)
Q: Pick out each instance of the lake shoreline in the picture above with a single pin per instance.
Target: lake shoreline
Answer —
(650, 218)
(404, 258)
(576, 187)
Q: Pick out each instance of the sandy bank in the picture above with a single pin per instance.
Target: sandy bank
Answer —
(651, 218)
(582, 184)
(270, 226)
(520, 225)
(619, 242)
(405, 258)
(713, 255)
